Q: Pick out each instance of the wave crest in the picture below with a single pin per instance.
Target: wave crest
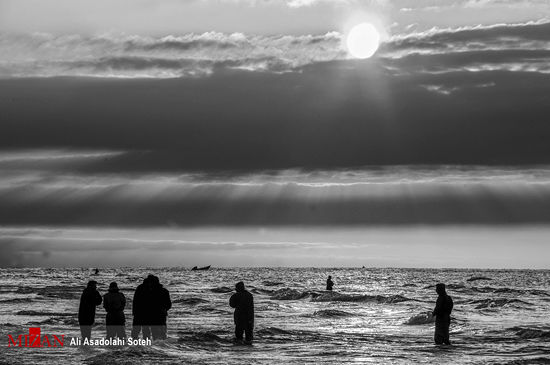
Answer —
(331, 313)
(498, 303)
(190, 301)
(531, 333)
(289, 294)
(420, 319)
(339, 297)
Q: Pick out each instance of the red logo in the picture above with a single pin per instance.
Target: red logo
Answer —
(34, 339)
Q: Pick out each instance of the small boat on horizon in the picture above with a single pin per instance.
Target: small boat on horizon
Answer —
(200, 268)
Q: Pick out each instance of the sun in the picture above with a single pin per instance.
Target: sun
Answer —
(363, 40)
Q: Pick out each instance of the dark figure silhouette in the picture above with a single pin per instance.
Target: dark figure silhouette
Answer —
(96, 271)
(114, 303)
(141, 308)
(158, 305)
(442, 313)
(330, 283)
(243, 302)
(89, 299)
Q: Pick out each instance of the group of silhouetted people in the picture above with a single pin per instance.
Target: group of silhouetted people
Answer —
(150, 308)
(152, 301)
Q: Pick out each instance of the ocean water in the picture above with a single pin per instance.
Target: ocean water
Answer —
(374, 316)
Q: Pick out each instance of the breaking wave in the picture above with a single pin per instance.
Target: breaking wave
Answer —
(290, 294)
(530, 333)
(272, 283)
(498, 303)
(42, 313)
(54, 291)
(421, 318)
(477, 278)
(338, 297)
(190, 301)
(331, 313)
(272, 331)
(221, 289)
(202, 337)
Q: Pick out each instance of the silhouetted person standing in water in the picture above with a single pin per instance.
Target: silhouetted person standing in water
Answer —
(89, 299)
(330, 283)
(141, 308)
(442, 313)
(243, 302)
(114, 303)
(158, 305)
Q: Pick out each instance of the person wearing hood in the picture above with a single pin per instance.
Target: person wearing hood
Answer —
(243, 302)
(442, 313)
(140, 308)
(159, 304)
(89, 299)
(114, 303)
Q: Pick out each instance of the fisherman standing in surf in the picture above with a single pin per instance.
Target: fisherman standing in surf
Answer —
(140, 309)
(86, 310)
(330, 283)
(114, 303)
(442, 313)
(243, 302)
(159, 305)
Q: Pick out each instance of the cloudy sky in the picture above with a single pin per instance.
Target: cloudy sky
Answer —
(244, 133)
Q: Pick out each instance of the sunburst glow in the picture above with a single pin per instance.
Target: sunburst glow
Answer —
(363, 40)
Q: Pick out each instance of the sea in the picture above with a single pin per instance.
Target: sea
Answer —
(373, 316)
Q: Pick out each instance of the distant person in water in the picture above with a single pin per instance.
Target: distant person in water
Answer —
(89, 299)
(140, 308)
(114, 303)
(330, 283)
(158, 305)
(96, 271)
(442, 313)
(243, 302)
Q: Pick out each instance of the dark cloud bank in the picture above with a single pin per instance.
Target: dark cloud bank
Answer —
(332, 115)
(474, 95)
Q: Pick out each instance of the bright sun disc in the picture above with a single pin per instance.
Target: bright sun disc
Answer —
(363, 40)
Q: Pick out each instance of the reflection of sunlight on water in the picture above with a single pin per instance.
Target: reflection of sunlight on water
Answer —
(370, 330)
